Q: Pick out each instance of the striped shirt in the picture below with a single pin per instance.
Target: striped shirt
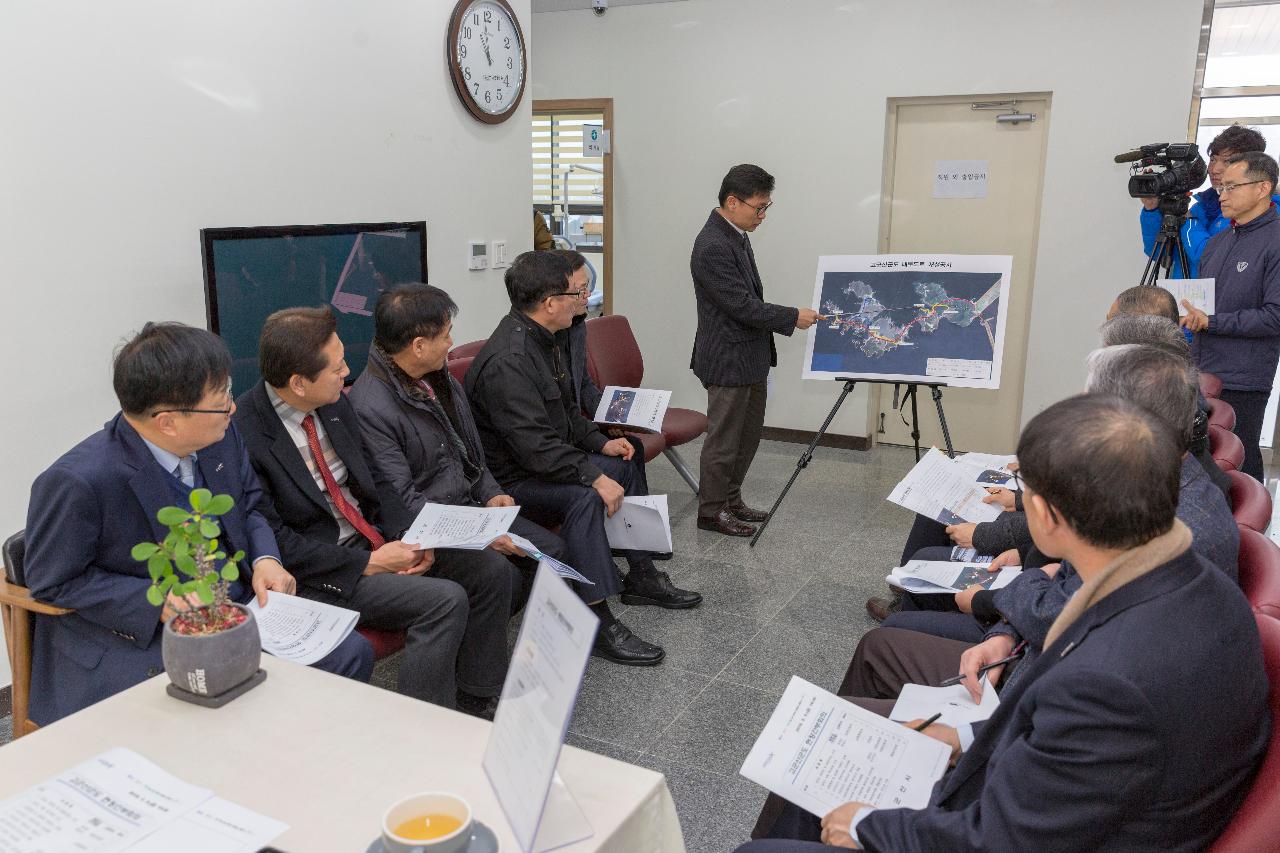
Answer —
(292, 420)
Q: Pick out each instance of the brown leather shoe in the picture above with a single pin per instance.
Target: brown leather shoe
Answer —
(880, 608)
(725, 522)
(742, 512)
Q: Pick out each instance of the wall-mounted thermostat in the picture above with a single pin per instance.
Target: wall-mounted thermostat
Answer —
(478, 257)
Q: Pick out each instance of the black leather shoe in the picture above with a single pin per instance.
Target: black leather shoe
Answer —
(880, 608)
(726, 523)
(616, 643)
(742, 512)
(656, 588)
(484, 707)
(652, 555)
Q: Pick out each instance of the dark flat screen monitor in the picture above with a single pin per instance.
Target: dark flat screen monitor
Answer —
(251, 272)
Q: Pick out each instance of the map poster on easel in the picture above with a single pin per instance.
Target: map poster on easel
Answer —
(910, 318)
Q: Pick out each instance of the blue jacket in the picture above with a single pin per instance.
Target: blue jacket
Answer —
(87, 511)
(1204, 220)
(1242, 344)
(1129, 734)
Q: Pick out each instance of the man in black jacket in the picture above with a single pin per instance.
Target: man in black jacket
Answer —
(337, 521)
(733, 348)
(556, 463)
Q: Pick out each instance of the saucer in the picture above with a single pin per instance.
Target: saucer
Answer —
(482, 841)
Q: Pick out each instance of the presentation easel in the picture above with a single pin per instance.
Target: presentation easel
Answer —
(849, 382)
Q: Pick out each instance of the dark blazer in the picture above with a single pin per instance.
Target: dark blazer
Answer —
(87, 511)
(294, 505)
(734, 341)
(409, 441)
(1139, 729)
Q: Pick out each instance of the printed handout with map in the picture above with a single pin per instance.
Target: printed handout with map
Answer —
(910, 318)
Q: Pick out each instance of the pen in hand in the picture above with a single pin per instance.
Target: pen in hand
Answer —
(956, 679)
(928, 722)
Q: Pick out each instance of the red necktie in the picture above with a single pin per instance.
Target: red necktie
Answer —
(350, 513)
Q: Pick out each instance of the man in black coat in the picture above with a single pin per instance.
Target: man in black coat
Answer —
(555, 462)
(337, 520)
(733, 348)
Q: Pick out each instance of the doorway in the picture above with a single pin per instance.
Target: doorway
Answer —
(1004, 219)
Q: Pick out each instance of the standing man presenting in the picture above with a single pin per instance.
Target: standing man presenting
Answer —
(1240, 343)
(733, 349)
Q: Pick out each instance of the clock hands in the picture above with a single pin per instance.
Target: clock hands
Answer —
(484, 41)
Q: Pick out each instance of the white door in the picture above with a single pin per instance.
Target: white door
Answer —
(922, 132)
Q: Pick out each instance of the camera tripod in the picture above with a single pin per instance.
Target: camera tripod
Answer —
(1168, 247)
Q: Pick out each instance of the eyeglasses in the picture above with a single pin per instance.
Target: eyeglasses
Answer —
(230, 405)
(1227, 188)
(576, 294)
(760, 210)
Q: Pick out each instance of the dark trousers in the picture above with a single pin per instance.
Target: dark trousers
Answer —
(581, 513)
(735, 420)
(925, 533)
(546, 542)
(353, 658)
(454, 616)
(1250, 407)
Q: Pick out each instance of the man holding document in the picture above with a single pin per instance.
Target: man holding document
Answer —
(338, 521)
(1108, 741)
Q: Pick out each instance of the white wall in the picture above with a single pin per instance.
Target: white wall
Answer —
(130, 125)
(799, 87)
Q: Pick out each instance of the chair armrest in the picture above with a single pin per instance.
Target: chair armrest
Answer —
(20, 596)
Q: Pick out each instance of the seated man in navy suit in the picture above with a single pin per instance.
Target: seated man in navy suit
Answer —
(338, 520)
(96, 502)
(1142, 724)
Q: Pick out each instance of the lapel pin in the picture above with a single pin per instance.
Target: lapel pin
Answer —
(219, 468)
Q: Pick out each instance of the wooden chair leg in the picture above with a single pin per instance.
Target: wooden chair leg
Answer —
(17, 631)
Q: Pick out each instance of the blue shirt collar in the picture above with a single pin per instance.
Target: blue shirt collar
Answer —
(166, 460)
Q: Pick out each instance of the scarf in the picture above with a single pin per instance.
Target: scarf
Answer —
(1125, 569)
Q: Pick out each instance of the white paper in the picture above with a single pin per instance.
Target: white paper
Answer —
(989, 471)
(537, 702)
(468, 527)
(564, 570)
(299, 629)
(942, 489)
(215, 826)
(960, 179)
(640, 524)
(1200, 292)
(944, 576)
(820, 751)
(918, 702)
(641, 408)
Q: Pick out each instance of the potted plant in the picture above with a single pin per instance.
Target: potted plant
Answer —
(211, 646)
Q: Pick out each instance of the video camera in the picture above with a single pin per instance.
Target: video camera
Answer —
(1165, 170)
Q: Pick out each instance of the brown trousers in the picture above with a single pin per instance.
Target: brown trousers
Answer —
(735, 416)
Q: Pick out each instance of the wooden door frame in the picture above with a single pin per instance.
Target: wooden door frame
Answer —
(604, 106)
(886, 207)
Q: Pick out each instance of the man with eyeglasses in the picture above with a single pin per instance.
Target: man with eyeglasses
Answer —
(87, 511)
(733, 348)
(1205, 218)
(1240, 343)
(557, 465)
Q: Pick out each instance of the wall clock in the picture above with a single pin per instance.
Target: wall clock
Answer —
(485, 49)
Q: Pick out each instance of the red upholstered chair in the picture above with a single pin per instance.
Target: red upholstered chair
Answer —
(1225, 448)
(469, 349)
(1210, 385)
(614, 358)
(1253, 828)
(459, 365)
(1259, 572)
(1222, 414)
(1250, 502)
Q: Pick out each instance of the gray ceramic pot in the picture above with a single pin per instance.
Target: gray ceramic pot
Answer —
(207, 667)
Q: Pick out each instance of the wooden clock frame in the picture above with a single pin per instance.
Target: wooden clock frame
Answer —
(455, 69)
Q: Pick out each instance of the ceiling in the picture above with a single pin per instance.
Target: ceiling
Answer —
(573, 5)
(1245, 30)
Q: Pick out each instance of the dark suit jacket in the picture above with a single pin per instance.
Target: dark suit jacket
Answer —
(294, 505)
(734, 341)
(1140, 729)
(87, 511)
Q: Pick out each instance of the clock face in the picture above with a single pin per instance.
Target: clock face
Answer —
(487, 57)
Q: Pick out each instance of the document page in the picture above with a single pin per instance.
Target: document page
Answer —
(639, 408)
(448, 526)
(215, 826)
(640, 524)
(564, 570)
(918, 702)
(299, 629)
(944, 576)
(820, 751)
(942, 489)
(537, 702)
(1200, 292)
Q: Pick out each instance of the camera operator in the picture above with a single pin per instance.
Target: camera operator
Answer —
(1240, 343)
(1205, 218)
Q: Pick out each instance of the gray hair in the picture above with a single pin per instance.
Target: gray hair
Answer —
(1145, 329)
(1156, 378)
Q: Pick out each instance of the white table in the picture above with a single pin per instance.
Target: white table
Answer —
(328, 755)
